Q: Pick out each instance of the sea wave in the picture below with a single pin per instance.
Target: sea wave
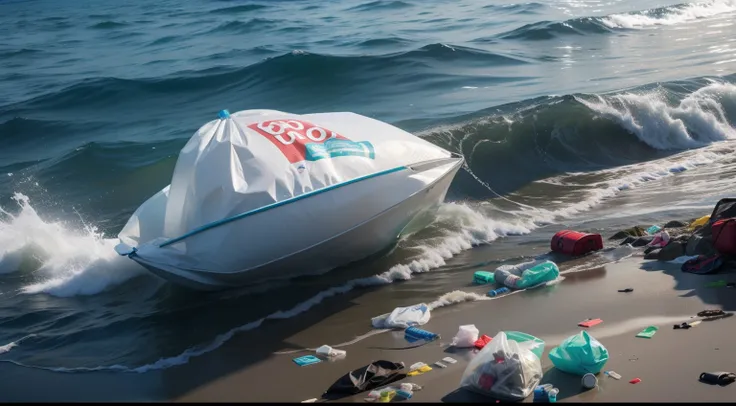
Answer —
(669, 15)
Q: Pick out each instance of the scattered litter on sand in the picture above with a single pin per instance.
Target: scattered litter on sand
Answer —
(482, 341)
(589, 381)
(648, 332)
(716, 284)
(329, 352)
(307, 360)
(466, 336)
(590, 322)
(718, 378)
(508, 366)
(413, 334)
(422, 370)
(403, 317)
(711, 313)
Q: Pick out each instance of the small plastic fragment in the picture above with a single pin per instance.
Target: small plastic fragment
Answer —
(590, 322)
(648, 332)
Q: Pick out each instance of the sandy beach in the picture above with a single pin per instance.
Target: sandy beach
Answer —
(248, 367)
(668, 364)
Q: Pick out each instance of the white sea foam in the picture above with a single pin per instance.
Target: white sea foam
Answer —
(7, 347)
(671, 15)
(698, 120)
(72, 262)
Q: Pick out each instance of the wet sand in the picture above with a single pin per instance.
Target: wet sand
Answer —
(668, 364)
(246, 369)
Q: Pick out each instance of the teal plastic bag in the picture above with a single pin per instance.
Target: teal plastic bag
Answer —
(579, 354)
(545, 272)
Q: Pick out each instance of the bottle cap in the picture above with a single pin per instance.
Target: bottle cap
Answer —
(589, 381)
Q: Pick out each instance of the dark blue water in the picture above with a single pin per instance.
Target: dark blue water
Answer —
(562, 105)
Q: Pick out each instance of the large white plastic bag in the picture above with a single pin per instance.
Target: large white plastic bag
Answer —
(504, 369)
(403, 317)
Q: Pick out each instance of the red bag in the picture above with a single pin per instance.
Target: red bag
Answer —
(573, 243)
(482, 341)
(724, 236)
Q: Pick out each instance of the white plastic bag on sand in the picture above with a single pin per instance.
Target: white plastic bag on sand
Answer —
(327, 351)
(466, 336)
(403, 317)
(682, 259)
(504, 369)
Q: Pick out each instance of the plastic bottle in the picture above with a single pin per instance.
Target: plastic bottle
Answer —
(404, 394)
(498, 291)
(589, 381)
(552, 395)
(541, 392)
(419, 334)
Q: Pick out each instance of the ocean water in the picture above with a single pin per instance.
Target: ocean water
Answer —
(591, 114)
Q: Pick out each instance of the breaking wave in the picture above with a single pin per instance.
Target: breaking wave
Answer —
(670, 15)
(64, 262)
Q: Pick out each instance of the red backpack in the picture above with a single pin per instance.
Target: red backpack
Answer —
(724, 236)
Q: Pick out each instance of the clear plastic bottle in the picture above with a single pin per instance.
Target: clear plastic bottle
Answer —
(552, 395)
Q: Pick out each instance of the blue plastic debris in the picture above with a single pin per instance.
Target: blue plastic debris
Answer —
(307, 360)
(223, 114)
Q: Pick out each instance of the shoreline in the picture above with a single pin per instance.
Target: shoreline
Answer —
(243, 368)
(546, 314)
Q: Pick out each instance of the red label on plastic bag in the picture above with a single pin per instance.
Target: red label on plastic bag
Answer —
(291, 136)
